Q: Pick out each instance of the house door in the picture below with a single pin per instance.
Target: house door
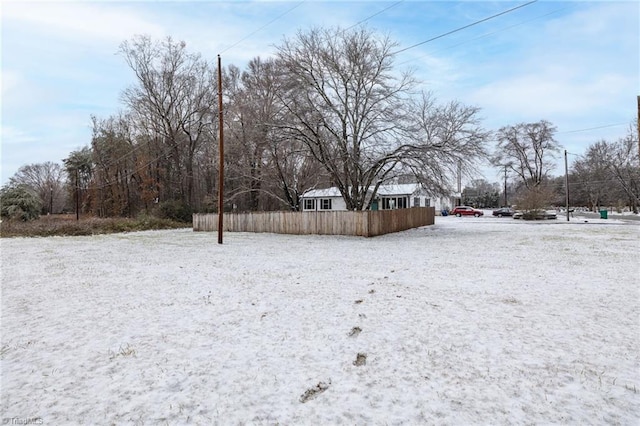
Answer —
(374, 205)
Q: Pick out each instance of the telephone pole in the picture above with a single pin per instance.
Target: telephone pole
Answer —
(505, 187)
(566, 183)
(77, 196)
(459, 182)
(221, 151)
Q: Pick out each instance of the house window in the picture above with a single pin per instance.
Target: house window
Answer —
(427, 202)
(416, 201)
(391, 203)
(310, 204)
(325, 204)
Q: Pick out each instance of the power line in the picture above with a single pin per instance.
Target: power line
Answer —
(375, 14)
(490, 33)
(111, 162)
(594, 128)
(107, 182)
(466, 26)
(262, 27)
(587, 182)
(138, 146)
(163, 153)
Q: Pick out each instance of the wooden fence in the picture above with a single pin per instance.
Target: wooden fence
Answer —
(361, 223)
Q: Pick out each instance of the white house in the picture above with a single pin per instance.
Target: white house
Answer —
(323, 199)
(388, 197)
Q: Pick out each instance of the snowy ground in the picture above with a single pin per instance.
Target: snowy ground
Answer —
(470, 321)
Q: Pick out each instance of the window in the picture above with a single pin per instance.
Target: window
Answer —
(416, 201)
(310, 204)
(325, 204)
(391, 203)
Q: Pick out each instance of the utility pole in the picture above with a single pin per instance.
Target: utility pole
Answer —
(566, 183)
(505, 187)
(77, 196)
(459, 182)
(221, 151)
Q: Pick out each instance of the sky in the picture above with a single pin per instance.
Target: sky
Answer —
(575, 64)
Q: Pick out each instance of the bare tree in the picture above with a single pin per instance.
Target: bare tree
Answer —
(346, 105)
(481, 194)
(445, 140)
(250, 109)
(295, 170)
(525, 149)
(114, 156)
(173, 102)
(609, 173)
(626, 167)
(46, 180)
(267, 168)
(593, 180)
(359, 119)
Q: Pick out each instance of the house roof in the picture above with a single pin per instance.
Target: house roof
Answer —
(322, 193)
(399, 189)
(384, 190)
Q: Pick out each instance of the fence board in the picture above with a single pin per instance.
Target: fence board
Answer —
(360, 223)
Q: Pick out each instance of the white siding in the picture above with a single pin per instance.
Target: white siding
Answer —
(442, 202)
(337, 204)
(411, 191)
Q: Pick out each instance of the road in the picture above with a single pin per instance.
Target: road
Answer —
(633, 217)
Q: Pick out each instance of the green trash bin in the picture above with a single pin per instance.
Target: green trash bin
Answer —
(603, 214)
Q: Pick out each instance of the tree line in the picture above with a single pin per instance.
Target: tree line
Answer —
(607, 175)
(330, 108)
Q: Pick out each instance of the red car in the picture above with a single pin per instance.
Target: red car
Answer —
(466, 211)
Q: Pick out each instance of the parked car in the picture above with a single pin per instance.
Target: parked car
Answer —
(505, 211)
(535, 215)
(466, 211)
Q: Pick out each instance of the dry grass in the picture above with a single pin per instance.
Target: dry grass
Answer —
(123, 351)
(67, 225)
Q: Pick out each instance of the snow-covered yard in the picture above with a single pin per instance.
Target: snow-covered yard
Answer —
(470, 321)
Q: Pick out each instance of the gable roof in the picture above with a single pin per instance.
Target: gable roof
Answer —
(322, 193)
(399, 189)
(383, 190)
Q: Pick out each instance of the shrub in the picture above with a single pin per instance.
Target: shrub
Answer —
(175, 210)
(66, 225)
(19, 202)
(534, 201)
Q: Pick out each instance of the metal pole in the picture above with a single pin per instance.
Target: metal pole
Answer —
(566, 183)
(221, 151)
